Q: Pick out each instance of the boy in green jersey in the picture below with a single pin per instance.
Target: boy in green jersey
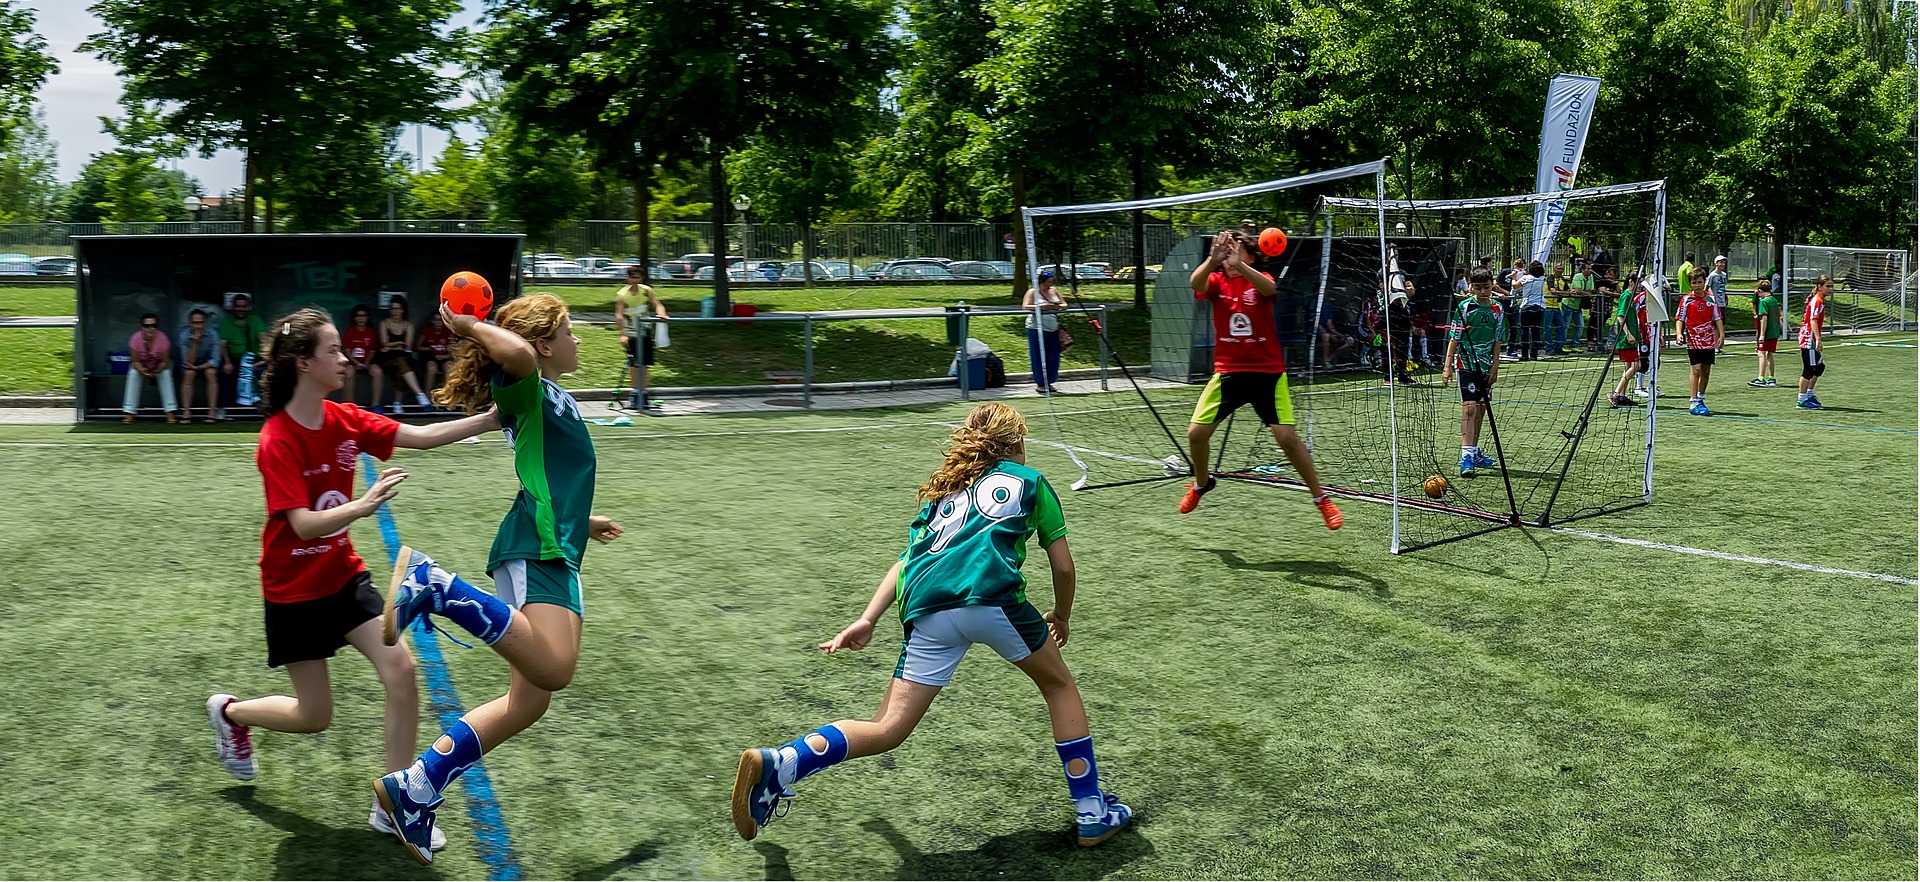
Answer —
(534, 619)
(1474, 337)
(1768, 328)
(958, 583)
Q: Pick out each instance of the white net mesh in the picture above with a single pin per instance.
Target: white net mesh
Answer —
(1871, 291)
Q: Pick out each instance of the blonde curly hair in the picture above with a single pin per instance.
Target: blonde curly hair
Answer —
(992, 432)
(470, 371)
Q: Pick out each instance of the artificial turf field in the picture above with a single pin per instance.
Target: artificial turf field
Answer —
(1275, 700)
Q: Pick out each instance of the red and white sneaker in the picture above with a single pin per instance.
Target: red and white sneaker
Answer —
(1191, 501)
(232, 742)
(1330, 512)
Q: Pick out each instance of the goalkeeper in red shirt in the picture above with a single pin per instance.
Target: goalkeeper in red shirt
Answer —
(1248, 367)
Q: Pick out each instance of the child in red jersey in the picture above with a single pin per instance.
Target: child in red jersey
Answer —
(319, 596)
(1249, 367)
(360, 341)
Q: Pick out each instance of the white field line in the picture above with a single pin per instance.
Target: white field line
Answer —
(1742, 558)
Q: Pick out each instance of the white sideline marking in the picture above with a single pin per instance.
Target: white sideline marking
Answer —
(1742, 558)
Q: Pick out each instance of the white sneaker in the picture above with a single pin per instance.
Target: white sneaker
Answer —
(232, 742)
(378, 821)
(421, 397)
(221, 415)
(1639, 393)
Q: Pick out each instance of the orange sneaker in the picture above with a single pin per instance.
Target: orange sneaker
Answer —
(1191, 501)
(1329, 511)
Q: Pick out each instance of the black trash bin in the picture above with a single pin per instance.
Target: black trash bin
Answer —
(953, 323)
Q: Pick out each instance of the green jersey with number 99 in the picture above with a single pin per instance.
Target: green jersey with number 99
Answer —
(965, 549)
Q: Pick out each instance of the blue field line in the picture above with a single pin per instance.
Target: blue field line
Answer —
(483, 810)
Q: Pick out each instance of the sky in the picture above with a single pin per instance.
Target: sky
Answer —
(87, 88)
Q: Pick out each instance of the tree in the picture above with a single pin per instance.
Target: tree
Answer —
(24, 67)
(296, 84)
(456, 188)
(914, 169)
(1819, 130)
(29, 189)
(701, 79)
(1674, 71)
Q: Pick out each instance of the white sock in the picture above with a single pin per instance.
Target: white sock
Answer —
(1092, 806)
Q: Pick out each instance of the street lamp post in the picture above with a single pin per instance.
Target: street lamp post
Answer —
(740, 204)
(194, 205)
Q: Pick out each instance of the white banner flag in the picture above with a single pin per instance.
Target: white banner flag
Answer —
(1563, 137)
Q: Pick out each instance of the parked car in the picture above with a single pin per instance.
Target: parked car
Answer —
(910, 271)
(735, 273)
(1082, 270)
(981, 269)
(55, 266)
(1126, 272)
(548, 256)
(559, 269)
(687, 265)
(824, 271)
(17, 265)
(618, 270)
(593, 265)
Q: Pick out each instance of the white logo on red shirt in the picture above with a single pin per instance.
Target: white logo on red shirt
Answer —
(347, 450)
(332, 499)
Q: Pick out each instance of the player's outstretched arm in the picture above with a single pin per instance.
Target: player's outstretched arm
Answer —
(440, 434)
(505, 348)
(310, 524)
(1060, 560)
(856, 635)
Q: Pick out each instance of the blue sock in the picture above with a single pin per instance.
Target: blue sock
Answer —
(798, 759)
(439, 769)
(481, 614)
(1085, 787)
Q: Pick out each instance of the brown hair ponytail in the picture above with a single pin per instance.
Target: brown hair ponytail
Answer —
(291, 337)
(991, 433)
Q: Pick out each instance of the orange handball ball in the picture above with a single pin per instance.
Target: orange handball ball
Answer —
(1435, 486)
(1273, 242)
(467, 294)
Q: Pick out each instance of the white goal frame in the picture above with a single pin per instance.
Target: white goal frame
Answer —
(1799, 256)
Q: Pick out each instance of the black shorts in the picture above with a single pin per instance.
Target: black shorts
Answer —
(1812, 364)
(1699, 356)
(646, 349)
(310, 630)
(1474, 386)
(394, 361)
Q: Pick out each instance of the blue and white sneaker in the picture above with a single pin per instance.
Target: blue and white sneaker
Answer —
(1483, 461)
(417, 588)
(1699, 408)
(1095, 829)
(1466, 466)
(1808, 404)
(380, 824)
(408, 806)
(757, 792)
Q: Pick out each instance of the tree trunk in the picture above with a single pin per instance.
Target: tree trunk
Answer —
(246, 201)
(806, 255)
(1020, 281)
(1139, 233)
(717, 175)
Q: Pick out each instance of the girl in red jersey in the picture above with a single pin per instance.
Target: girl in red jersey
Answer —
(319, 596)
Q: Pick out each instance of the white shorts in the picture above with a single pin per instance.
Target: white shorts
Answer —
(936, 642)
(520, 582)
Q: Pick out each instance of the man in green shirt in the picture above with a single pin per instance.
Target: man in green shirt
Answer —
(1479, 326)
(1576, 306)
(1768, 329)
(240, 334)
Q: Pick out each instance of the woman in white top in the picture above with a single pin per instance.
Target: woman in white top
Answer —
(1043, 336)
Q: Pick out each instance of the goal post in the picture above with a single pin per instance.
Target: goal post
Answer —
(1870, 290)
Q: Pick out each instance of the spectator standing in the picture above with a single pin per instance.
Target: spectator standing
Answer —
(1553, 319)
(1779, 290)
(1043, 331)
(636, 336)
(1575, 307)
(1530, 293)
(199, 358)
(1602, 260)
(150, 358)
(240, 334)
(1717, 285)
(359, 341)
(1460, 283)
(1681, 279)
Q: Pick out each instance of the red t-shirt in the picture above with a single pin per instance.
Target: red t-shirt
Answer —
(436, 339)
(313, 468)
(1244, 339)
(358, 342)
(1697, 315)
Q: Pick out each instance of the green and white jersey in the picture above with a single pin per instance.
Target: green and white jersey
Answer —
(1768, 314)
(966, 549)
(1480, 328)
(553, 455)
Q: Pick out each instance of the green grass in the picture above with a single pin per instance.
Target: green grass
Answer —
(1277, 700)
(38, 361)
(22, 300)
